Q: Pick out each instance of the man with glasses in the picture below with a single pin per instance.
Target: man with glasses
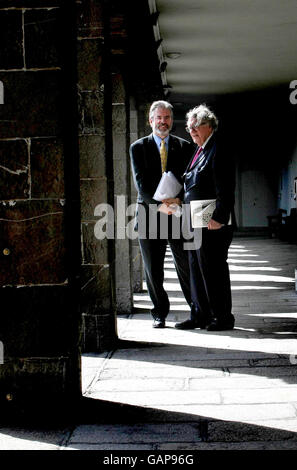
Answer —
(210, 175)
(150, 156)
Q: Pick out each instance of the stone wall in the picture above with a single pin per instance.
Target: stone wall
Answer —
(94, 89)
(137, 267)
(121, 164)
(39, 210)
(67, 72)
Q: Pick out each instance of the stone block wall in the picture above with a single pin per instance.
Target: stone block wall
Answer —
(96, 174)
(137, 267)
(67, 72)
(121, 164)
(39, 315)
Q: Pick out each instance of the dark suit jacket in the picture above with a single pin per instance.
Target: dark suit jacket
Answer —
(146, 167)
(213, 178)
(146, 164)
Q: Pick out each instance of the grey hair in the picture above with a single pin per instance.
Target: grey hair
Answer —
(160, 104)
(203, 114)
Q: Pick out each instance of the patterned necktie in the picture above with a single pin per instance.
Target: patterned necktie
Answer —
(196, 156)
(163, 155)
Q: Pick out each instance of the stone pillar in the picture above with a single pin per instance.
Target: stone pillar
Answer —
(137, 267)
(120, 125)
(144, 127)
(39, 214)
(96, 173)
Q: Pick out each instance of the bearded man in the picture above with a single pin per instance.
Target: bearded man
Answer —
(150, 157)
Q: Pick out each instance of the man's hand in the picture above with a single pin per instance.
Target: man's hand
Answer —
(214, 225)
(172, 200)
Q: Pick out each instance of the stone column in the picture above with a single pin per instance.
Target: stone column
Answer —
(121, 164)
(96, 173)
(137, 267)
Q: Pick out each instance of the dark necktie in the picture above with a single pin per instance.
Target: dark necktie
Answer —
(196, 156)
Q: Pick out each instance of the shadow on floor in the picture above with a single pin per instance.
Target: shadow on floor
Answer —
(103, 413)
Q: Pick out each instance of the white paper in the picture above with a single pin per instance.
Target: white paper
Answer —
(201, 212)
(168, 187)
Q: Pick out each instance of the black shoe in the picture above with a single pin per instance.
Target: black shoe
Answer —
(221, 325)
(158, 323)
(189, 325)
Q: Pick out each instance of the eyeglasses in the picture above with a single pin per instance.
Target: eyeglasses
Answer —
(196, 126)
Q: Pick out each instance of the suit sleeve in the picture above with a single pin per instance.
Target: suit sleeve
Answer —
(140, 173)
(184, 156)
(224, 181)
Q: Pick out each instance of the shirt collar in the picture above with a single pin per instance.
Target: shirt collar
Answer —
(208, 138)
(158, 140)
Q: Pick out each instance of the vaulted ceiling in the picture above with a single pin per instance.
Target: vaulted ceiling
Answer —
(225, 46)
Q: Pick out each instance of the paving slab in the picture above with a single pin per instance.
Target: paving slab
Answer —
(239, 380)
(173, 390)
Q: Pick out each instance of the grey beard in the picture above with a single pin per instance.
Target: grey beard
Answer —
(163, 133)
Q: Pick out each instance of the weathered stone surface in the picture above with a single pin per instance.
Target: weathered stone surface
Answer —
(121, 174)
(124, 300)
(94, 251)
(11, 39)
(89, 53)
(93, 192)
(42, 38)
(133, 122)
(90, 19)
(14, 169)
(118, 90)
(96, 293)
(92, 156)
(47, 168)
(32, 105)
(136, 433)
(39, 390)
(119, 119)
(137, 276)
(99, 332)
(33, 234)
(28, 372)
(241, 432)
(91, 112)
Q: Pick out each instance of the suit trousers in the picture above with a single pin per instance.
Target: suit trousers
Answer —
(210, 278)
(153, 254)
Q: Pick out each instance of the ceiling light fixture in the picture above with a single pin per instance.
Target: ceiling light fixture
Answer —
(173, 55)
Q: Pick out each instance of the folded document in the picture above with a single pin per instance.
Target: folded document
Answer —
(168, 186)
(201, 212)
